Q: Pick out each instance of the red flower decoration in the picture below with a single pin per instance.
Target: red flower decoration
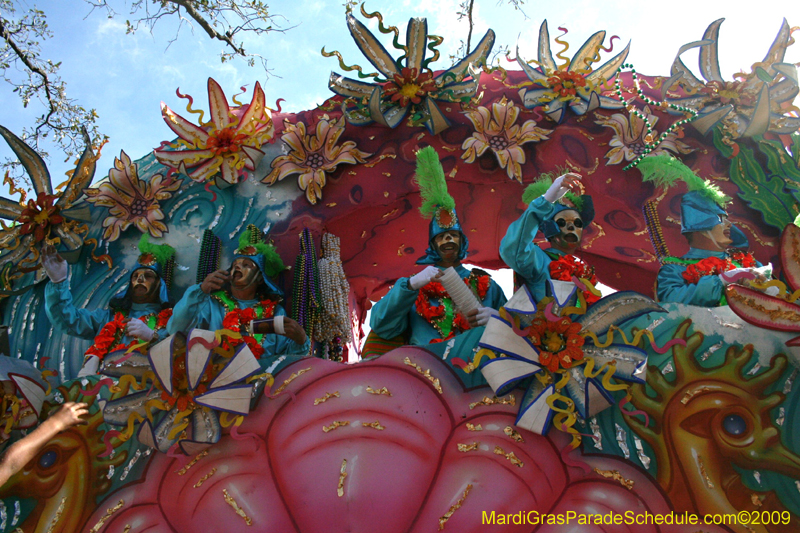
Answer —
(559, 343)
(716, 265)
(567, 266)
(409, 87)
(565, 83)
(39, 216)
(238, 320)
(435, 314)
(108, 340)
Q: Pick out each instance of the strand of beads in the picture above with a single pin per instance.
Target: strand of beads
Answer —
(654, 229)
(209, 255)
(334, 328)
(650, 142)
(306, 301)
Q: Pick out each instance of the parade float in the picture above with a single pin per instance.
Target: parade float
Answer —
(641, 407)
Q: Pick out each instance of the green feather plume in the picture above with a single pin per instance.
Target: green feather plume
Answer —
(251, 236)
(542, 183)
(162, 252)
(663, 170)
(431, 181)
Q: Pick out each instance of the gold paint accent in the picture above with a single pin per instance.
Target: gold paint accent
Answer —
(640, 233)
(336, 424)
(371, 137)
(291, 378)
(649, 259)
(420, 136)
(426, 374)
(449, 149)
(379, 159)
(332, 204)
(491, 400)
(510, 456)
(447, 109)
(375, 425)
(709, 484)
(390, 213)
(328, 396)
(386, 194)
(363, 234)
(342, 476)
(127, 528)
(204, 478)
(453, 172)
(453, 508)
(588, 171)
(492, 190)
(755, 500)
(673, 220)
(586, 135)
(400, 250)
(109, 512)
(691, 393)
(774, 314)
(387, 174)
(616, 476)
(382, 390)
(467, 447)
(753, 233)
(57, 516)
(600, 233)
(191, 463)
(471, 427)
(513, 433)
(229, 499)
(352, 172)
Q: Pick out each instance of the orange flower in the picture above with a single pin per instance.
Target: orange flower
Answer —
(39, 216)
(559, 343)
(408, 87)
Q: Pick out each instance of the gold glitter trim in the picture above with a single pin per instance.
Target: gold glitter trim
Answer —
(400, 250)
(235, 506)
(342, 476)
(387, 174)
(510, 456)
(379, 159)
(449, 149)
(600, 233)
(616, 476)
(753, 233)
(291, 378)
(332, 204)
(491, 400)
(109, 512)
(472, 427)
(513, 433)
(709, 484)
(382, 390)
(328, 396)
(374, 425)
(390, 213)
(204, 478)
(57, 516)
(588, 171)
(193, 462)
(692, 393)
(426, 374)
(421, 136)
(337, 424)
(127, 528)
(467, 447)
(453, 508)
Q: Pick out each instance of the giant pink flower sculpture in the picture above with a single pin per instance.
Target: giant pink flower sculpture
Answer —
(132, 200)
(227, 145)
(391, 445)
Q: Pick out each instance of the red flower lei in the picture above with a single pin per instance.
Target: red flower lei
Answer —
(437, 314)
(108, 340)
(559, 343)
(567, 266)
(238, 319)
(717, 265)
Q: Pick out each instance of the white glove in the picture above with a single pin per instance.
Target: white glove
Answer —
(54, 265)
(90, 365)
(140, 330)
(558, 189)
(484, 313)
(772, 291)
(417, 281)
(727, 277)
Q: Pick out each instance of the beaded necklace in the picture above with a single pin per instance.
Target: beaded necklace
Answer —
(237, 319)
(109, 337)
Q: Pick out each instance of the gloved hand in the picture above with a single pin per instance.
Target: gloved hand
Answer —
(417, 281)
(772, 291)
(140, 330)
(53, 264)
(561, 185)
(480, 316)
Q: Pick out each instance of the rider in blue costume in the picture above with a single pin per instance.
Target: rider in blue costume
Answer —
(145, 296)
(418, 307)
(556, 209)
(245, 285)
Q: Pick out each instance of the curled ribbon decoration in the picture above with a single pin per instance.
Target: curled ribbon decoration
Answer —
(179, 424)
(636, 339)
(99, 385)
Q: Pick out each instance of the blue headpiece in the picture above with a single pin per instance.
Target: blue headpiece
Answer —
(700, 213)
(586, 211)
(160, 258)
(266, 258)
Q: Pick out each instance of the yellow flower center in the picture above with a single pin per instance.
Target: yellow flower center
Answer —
(41, 218)
(410, 90)
(727, 93)
(553, 342)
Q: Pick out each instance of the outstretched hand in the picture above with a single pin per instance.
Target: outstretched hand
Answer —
(54, 265)
(419, 280)
(215, 281)
(569, 182)
(293, 330)
(69, 415)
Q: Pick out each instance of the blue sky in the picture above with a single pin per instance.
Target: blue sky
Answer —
(125, 77)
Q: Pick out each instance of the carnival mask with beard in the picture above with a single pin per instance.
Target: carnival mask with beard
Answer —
(245, 274)
(145, 285)
(571, 226)
(448, 245)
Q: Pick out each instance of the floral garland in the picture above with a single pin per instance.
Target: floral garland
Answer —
(563, 268)
(559, 342)
(108, 340)
(237, 320)
(716, 265)
(443, 317)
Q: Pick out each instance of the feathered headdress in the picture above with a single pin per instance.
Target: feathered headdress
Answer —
(264, 255)
(582, 204)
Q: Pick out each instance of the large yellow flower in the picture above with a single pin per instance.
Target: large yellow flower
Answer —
(630, 137)
(227, 145)
(497, 129)
(312, 156)
(131, 200)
